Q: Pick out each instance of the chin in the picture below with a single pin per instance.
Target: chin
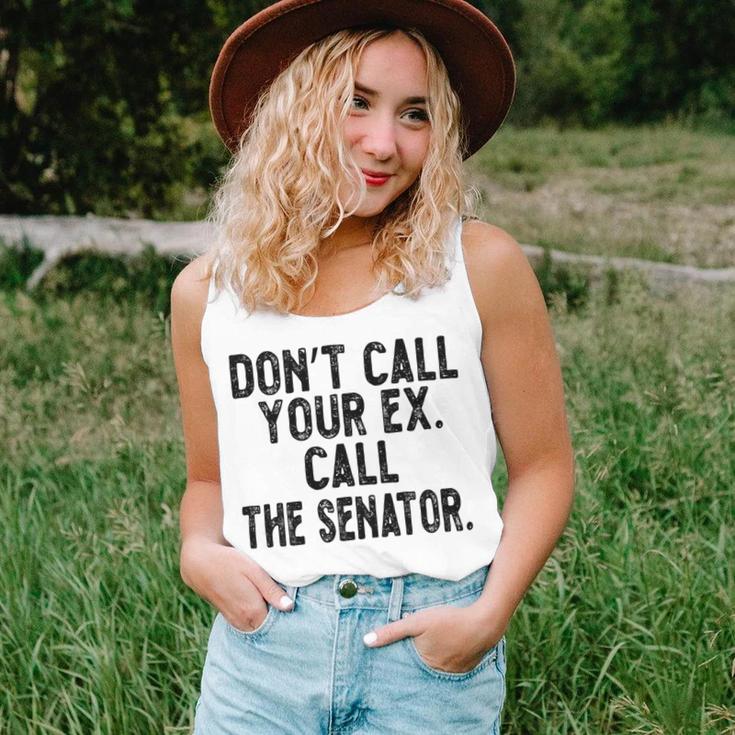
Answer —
(370, 209)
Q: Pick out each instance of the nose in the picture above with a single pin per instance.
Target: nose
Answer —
(379, 139)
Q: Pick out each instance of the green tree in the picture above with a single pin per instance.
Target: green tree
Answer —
(93, 98)
(680, 58)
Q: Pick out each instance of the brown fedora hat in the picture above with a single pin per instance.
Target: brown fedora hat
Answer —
(477, 57)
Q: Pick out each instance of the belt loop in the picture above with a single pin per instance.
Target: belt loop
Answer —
(396, 599)
(291, 590)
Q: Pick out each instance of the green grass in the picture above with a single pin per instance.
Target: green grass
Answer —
(661, 192)
(547, 153)
(629, 628)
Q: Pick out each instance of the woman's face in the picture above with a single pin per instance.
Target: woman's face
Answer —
(388, 128)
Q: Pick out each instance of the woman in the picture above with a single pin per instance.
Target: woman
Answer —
(336, 350)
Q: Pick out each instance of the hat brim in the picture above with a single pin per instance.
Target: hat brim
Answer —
(478, 59)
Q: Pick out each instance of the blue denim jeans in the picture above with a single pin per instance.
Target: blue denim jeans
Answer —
(308, 671)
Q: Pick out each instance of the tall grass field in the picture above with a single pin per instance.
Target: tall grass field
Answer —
(629, 627)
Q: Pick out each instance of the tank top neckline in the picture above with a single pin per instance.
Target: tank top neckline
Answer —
(360, 309)
(381, 300)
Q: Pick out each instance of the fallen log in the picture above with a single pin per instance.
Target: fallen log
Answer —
(60, 236)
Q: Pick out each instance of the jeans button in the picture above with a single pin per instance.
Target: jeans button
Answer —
(347, 588)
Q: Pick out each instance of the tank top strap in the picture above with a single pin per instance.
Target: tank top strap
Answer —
(457, 240)
(460, 289)
(214, 292)
(212, 288)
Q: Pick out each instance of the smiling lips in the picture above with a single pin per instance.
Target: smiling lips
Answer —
(376, 178)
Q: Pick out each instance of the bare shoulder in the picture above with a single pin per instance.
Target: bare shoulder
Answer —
(489, 250)
(189, 291)
(479, 235)
(500, 275)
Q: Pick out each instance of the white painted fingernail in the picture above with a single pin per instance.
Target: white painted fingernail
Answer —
(370, 638)
(286, 603)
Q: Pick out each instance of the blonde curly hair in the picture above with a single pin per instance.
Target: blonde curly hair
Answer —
(278, 196)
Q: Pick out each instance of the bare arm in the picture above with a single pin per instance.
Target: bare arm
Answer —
(526, 389)
(200, 514)
(225, 576)
(200, 520)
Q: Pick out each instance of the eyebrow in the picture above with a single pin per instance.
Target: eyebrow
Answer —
(409, 100)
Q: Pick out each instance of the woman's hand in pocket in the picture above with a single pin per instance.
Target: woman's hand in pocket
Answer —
(231, 581)
(447, 637)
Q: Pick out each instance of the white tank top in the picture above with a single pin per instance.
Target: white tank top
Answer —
(360, 443)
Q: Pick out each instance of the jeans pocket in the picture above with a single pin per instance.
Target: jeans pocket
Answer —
(260, 630)
(488, 657)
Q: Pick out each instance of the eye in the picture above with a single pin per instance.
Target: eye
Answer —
(422, 115)
(360, 99)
